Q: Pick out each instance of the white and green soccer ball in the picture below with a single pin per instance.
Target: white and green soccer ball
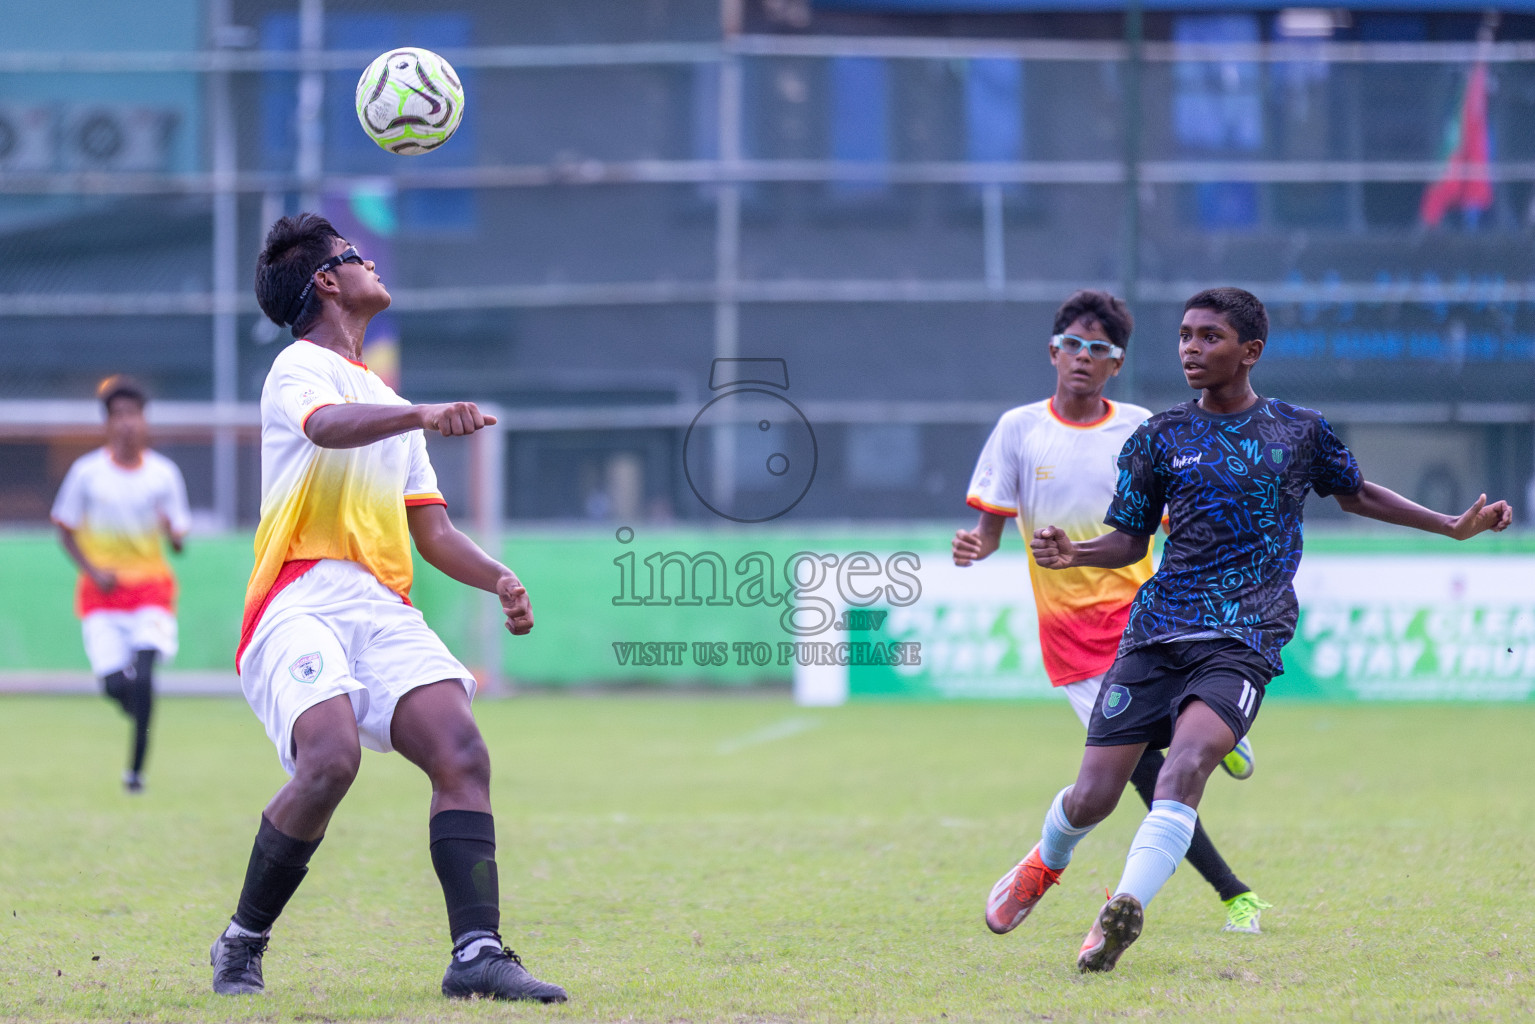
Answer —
(410, 101)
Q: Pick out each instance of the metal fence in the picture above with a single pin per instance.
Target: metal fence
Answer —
(895, 217)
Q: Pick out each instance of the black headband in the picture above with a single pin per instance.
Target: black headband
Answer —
(347, 255)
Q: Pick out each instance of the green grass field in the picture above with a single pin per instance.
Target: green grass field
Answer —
(738, 859)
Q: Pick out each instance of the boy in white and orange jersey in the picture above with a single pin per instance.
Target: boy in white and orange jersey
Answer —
(332, 656)
(1053, 462)
(112, 509)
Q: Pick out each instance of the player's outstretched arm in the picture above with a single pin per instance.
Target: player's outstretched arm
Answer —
(1376, 502)
(970, 546)
(353, 424)
(1054, 550)
(105, 579)
(445, 547)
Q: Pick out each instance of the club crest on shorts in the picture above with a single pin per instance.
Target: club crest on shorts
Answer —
(1115, 701)
(308, 668)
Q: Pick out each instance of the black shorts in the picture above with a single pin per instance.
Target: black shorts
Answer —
(1145, 689)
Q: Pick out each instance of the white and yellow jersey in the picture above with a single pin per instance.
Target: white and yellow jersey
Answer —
(341, 503)
(1047, 471)
(118, 514)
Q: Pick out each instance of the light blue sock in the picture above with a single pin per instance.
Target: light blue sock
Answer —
(1159, 844)
(1059, 837)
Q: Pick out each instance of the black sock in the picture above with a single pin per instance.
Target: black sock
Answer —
(139, 702)
(116, 688)
(1202, 853)
(464, 855)
(278, 864)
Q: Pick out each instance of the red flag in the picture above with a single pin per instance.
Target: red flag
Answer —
(1465, 182)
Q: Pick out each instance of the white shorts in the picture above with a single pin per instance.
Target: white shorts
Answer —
(338, 630)
(1083, 694)
(111, 637)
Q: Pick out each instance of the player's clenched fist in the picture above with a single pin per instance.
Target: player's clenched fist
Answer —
(1481, 516)
(1052, 548)
(969, 547)
(515, 603)
(454, 419)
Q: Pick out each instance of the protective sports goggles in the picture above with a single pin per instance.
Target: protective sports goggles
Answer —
(347, 255)
(1071, 345)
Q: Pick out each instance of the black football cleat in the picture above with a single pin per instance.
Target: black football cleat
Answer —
(497, 974)
(236, 962)
(1119, 924)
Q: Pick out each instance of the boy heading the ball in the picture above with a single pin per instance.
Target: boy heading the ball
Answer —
(1205, 632)
(332, 656)
(1053, 462)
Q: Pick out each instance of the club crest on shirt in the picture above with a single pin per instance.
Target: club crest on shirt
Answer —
(1275, 455)
(308, 668)
(1115, 701)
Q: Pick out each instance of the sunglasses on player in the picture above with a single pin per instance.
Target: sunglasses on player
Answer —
(347, 255)
(1071, 345)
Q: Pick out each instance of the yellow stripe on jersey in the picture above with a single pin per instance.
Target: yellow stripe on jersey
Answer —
(334, 510)
(1082, 612)
(346, 504)
(1050, 471)
(132, 556)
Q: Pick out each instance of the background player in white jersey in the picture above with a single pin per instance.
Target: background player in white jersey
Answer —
(1054, 462)
(113, 507)
(332, 655)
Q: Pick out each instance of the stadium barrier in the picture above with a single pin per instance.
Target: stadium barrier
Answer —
(839, 614)
(1410, 625)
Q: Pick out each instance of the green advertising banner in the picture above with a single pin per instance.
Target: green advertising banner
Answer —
(850, 614)
(613, 606)
(1414, 628)
(1408, 626)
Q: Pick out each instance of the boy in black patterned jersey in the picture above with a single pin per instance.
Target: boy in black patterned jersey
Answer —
(1204, 635)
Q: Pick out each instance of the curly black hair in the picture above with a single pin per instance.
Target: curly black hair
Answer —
(1111, 313)
(1241, 309)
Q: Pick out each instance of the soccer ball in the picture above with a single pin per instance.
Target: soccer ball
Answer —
(410, 101)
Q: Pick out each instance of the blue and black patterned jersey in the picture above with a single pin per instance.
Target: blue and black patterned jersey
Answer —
(1235, 491)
